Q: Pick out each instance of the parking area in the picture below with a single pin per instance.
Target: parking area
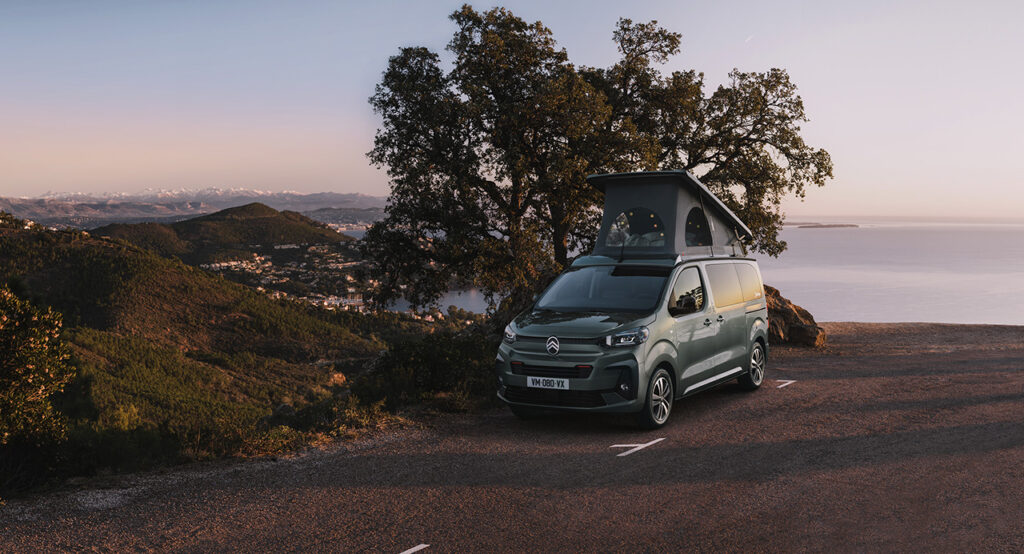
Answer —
(897, 437)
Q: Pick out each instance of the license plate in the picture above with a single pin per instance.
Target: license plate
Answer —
(547, 383)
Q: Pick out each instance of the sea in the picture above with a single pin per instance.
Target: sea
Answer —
(888, 270)
(893, 270)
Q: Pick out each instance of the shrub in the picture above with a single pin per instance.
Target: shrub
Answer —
(456, 366)
(33, 367)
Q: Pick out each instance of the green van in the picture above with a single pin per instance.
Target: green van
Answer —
(636, 338)
(635, 332)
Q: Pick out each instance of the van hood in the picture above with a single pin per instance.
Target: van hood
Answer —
(545, 323)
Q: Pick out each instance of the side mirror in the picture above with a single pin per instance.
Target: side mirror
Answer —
(684, 305)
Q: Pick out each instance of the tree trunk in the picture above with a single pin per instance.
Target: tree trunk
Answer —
(560, 236)
(560, 242)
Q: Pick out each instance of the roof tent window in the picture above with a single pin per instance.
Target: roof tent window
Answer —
(698, 232)
(636, 227)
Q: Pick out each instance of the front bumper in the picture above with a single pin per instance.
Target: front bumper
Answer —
(600, 380)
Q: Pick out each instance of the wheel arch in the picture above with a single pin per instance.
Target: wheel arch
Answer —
(667, 366)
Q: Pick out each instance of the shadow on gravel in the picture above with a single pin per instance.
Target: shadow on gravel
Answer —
(753, 462)
(557, 424)
(922, 365)
(932, 404)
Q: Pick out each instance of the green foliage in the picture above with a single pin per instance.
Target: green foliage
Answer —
(8, 221)
(172, 363)
(487, 161)
(129, 378)
(33, 368)
(457, 366)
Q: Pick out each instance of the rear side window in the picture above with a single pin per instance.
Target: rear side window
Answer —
(750, 282)
(725, 284)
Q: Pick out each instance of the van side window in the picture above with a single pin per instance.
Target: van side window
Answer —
(698, 232)
(688, 285)
(751, 283)
(725, 284)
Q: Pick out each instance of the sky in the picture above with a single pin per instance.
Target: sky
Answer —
(919, 103)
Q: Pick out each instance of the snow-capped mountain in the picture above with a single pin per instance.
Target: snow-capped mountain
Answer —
(90, 210)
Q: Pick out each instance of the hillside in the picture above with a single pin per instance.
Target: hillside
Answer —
(173, 361)
(227, 234)
(89, 210)
(347, 216)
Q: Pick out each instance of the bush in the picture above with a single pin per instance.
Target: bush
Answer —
(452, 368)
(33, 367)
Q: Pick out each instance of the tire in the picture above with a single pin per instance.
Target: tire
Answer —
(755, 376)
(658, 405)
(524, 413)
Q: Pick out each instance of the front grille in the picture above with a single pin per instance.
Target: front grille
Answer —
(549, 397)
(578, 372)
(561, 340)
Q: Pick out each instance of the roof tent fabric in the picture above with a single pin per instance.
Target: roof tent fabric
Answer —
(655, 214)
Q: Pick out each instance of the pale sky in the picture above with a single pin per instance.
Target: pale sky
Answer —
(919, 103)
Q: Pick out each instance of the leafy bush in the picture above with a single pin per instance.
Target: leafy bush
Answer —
(33, 367)
(452, 368)
(8, 221)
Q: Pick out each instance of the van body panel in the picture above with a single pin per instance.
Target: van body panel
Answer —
(703, 348)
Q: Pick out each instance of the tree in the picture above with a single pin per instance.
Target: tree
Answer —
(488, 160)
(33, 367)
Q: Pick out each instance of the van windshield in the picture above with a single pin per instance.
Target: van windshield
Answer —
(606, 289)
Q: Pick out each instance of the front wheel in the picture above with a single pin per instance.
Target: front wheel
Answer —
(753, 379)
(660, 394)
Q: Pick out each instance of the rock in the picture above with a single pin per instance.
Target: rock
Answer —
(337, 379)
(791, 324)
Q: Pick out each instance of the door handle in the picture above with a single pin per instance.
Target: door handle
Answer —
(721, 319)
(707, 322)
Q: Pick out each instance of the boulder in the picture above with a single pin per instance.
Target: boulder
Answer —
(791, 324)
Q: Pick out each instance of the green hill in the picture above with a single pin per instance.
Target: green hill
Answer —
(173, 362)
(227, 234)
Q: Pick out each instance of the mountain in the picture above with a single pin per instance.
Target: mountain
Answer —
(226, 234)
(86, 210)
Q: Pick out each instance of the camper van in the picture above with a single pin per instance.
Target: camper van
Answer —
(666, 306)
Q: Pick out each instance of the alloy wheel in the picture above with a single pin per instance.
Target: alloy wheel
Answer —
(661, 399)
(757, 364)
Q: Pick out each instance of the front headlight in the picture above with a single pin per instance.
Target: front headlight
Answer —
(510, 335)
(631, 337)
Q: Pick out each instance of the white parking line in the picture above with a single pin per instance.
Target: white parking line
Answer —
(635, 447)
(784, 382)
(415, 549)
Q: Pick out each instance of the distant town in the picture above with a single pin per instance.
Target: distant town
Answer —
(323, 275)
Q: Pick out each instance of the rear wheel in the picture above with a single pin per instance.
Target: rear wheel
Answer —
(523, 412)
(660, 395)
(753, 379)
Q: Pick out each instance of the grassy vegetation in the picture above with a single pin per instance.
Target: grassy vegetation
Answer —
(171, 363)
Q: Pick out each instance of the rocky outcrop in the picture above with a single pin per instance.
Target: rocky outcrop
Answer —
(791, 324)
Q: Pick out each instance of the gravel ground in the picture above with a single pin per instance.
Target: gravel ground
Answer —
(895, 437)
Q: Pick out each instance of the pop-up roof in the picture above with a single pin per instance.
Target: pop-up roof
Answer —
(656, 214)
